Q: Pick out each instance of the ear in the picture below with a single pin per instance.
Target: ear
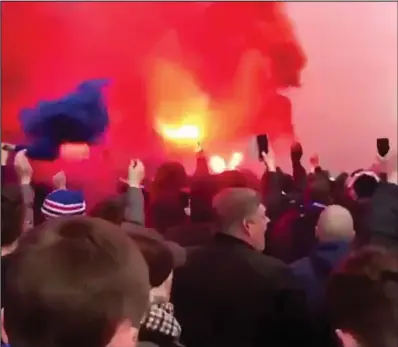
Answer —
(4, 336)
(347, 339)
(246, 225)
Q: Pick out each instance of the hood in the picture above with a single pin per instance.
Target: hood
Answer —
(328, 255)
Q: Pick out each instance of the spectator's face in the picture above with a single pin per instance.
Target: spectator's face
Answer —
(256, 226)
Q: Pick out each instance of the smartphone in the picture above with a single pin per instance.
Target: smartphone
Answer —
(262, 145)
(383, 146)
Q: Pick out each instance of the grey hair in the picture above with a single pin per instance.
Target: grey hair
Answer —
(233, 205)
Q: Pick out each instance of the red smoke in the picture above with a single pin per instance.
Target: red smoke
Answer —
(165, 60)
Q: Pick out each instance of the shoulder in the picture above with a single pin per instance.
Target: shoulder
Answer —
(266, 265)
(300, 266)
(147, 344)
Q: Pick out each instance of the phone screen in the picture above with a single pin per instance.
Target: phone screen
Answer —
(383, 146)
(262, 145)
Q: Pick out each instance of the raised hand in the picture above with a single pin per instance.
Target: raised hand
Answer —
(23, 167)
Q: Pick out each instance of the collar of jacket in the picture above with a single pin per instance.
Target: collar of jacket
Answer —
(331, 253)
(222, 238)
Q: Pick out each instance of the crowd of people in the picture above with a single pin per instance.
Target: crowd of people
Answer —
(226, 260)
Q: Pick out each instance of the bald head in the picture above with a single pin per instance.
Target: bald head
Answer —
(335, 224)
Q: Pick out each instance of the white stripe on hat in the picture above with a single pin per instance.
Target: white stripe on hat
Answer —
(60, 205)
(48, 209)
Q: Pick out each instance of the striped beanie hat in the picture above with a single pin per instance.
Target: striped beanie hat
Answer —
(63, 202)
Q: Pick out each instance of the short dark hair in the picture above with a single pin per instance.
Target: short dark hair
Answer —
(71, 281)
(161, 256)
(363, 296)
(111, 210)
(232, 205)
(12, 211)
(170, 176)
(319, 189)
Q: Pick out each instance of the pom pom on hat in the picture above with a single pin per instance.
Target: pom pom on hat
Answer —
(64, 202)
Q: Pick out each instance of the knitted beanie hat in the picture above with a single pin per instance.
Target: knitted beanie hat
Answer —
(63, 202)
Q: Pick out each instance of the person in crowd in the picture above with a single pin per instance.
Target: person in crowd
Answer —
(159, 325)
(187, 215)
(335, 232)
(16, 212)
(166, 206)
(11, 228)
(383, 217)
(75, 281)
(63, 202)
(292, 235)
(362, 298)
(229, 293)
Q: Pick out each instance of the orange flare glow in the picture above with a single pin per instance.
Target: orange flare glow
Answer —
(217, 164)
(184, 132)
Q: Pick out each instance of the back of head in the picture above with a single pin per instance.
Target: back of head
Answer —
(154, 249)
(74, 281)
(319, 189)
(170, 176)
(12, 214)
(231, 179)
(111, 210)
(362, 184)
(202, 193)
(167, 211)
(335, 223)
(363, 298)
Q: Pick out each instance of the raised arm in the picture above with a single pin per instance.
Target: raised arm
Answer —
(25, 172)
(134, 210)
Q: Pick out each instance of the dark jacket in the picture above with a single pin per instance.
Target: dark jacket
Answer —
(229, 294)
(314, 270)
(192, 234)
(292, 235)
(383, 217)
(313, 273)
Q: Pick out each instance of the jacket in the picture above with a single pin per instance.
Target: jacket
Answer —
(313, 271)
(229, 294)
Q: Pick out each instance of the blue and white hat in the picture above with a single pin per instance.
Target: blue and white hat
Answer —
(64, 202)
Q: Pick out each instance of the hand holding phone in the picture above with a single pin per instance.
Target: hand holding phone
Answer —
(383, 146)
(262, 145)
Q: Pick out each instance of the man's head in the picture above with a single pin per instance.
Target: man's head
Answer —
(161, 256)
(111, 210)
(362, 297)
(335, 223)
(319, 189)
(242, 215)
(12, 217)
(76, 281)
